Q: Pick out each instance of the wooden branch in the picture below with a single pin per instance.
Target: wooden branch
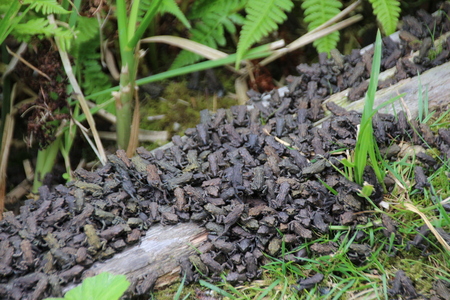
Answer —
(436, 81)
(157, 253)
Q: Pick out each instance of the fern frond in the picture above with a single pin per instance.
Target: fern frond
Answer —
(201, 8)
(94, 79)
(41, 28)
(214, 18)
(47, 6)
(171, 7)
(318, 12)
(87, 57)
(166, 6)
(65, 36)
(87, 29)
(387, 12)
(263, 17)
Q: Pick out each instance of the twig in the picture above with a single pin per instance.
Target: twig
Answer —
(309, 38)
(28, 64)
(438, 236)
(12, 64)
(79, 95)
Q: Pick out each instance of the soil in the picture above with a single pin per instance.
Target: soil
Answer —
(252, 175)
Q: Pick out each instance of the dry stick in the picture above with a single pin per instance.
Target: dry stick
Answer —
(102, 112)
(134, 134)
(6, 146)
(317, 33)
(309, 38)
(144, 135)
(12, 64)
(28, 64)
(197, 48)
(440, 239)
(79, 94)
(24, 187)
(304, 40)
(8, 132)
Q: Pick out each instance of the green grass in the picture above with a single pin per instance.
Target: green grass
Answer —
(366, 149)
(343, 279)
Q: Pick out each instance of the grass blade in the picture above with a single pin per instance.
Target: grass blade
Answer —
(216, 289)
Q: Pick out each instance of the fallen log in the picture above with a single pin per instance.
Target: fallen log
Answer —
(160, 251)
(157, 255)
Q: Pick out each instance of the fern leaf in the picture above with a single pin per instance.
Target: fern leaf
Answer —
(171, 7)
(87, 56)
(65, 37)
(87, 29)
(387, 12)
(47, 6)
(166, 6)
(214, 19)
(263, 17)
(318, 12)
(41, 28)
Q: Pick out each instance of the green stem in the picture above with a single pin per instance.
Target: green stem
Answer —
(127, 78)
(9, 20)
(45, 162)
(74, 14)
(259, 52)
(149, 15)
(124, 106)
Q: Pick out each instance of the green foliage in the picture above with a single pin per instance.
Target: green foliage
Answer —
(46, 6)
(41, 28)
(104, 286)
(166, 6)
(87, 57)
(11, 20)
(387, 12)
(263, 17)
(171, 7)
(318, 12)
(366, 146)
(211, 20)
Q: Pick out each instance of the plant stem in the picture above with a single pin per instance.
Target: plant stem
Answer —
(258, 52)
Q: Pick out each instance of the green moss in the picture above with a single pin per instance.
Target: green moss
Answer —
(182, 106)
(415, 267)
(439, 120)
(434, 51)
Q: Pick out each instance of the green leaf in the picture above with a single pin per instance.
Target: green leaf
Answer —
(263, 17)
(387, 12)
(215, 288)
(41, 28)
(318, 12)
(46, 6)
(347, 163)
(211, 20)
(104, 286)
(171, 7)
(365, 143)
(255, 53)
(367, 190)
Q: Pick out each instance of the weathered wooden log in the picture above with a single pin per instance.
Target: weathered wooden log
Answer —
(436, 81)
(158, 253)
(163, 247)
